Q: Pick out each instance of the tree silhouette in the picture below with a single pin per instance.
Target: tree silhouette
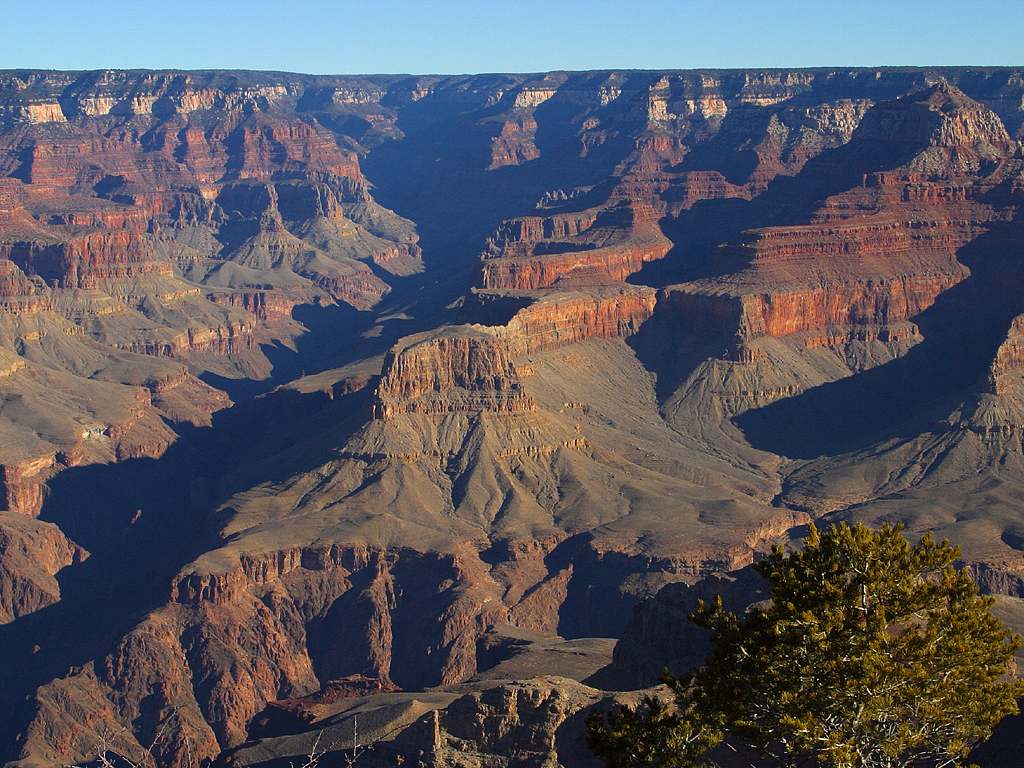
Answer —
(874, 652)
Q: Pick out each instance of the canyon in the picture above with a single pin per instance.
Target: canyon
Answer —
(411, 415)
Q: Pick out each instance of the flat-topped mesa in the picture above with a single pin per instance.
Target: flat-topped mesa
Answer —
(469, 370)
(474, 368)
(903, 239)
(598, 265)
(519, 237)
(136, 217)
(828, 314)
(568, 317)
(617, 243)
(868, 301)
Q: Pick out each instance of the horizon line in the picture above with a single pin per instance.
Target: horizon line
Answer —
(484, 73)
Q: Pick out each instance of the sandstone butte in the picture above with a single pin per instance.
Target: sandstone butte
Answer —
(425, 408)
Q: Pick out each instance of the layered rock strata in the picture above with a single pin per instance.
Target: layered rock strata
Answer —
(821, 322)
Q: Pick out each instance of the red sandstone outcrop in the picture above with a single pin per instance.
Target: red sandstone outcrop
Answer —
(22, 483)
(593, 247)
(31, 553)
(873, 302)
(568, 317)
(84, 260)
(514, 145)
(474, 368)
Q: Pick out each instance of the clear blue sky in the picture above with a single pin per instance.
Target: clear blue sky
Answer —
(421, 36)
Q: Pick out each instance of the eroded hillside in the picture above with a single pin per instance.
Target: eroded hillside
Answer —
(376, 396)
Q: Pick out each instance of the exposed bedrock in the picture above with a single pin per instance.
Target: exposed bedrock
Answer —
(1009, 360)
(31, 554)
(490, 470)
(84, 260)
(531, 722)
(476, 361)
(475, 366)
(816, 311)
(539, 253)
(659, 635)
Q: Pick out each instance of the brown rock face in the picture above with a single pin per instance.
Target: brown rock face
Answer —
(31, 553)
(532, 723)
(660, 635)
(478, 364)
(22, 484)
(494, 461)
(616, 244)
(83, 261)
(475, 369)
(514, 145)
(871, 303)
(566, 318)
(1009, 360)
(265, 305)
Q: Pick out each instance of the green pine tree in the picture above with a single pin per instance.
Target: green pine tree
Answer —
(872, 653)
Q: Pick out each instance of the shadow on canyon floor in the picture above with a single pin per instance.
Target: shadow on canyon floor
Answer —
(142, 520)
(456, 201)
(698, 233)
(962, 331)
